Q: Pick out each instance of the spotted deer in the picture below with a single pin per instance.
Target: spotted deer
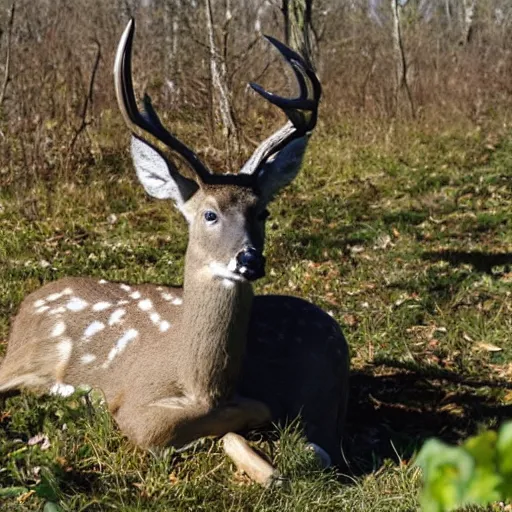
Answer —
(208, 359)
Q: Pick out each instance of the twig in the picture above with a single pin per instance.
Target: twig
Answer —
(88, 98)
(7, 68)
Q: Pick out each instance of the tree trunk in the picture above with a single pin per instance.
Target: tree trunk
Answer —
(297, 26)
(220, 85)
(400, 60)
(448, 14)
(172, 16)
(469, 15)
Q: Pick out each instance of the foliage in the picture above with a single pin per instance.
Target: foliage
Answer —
(403, 237)
(477, 472)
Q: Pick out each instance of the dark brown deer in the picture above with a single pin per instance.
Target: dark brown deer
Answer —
(208, 359)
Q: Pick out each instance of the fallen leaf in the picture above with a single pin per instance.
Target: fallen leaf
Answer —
(40, 439)
(383, 242)
(350, 320)
(25, 496)
(356, 249)
(488, 347)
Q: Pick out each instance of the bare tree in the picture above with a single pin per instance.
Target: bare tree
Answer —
(468, 7)
(297, 26)
(7, 65)
(173, 20)
(88, 98)
(400, 59)
(220, 84)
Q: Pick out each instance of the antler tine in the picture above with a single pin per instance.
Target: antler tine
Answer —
(296, 109)
(147, 121)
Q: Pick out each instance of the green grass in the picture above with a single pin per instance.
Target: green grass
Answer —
(407, 243)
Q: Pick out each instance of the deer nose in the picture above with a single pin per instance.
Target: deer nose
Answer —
(251, 263)
(248, 256)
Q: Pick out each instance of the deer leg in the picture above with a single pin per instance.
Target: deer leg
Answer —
(165, 422)
(248, 460)
(169, 421)
(242, 414)
(239, 414)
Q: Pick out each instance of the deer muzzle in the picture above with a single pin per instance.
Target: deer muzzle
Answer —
(250, 263)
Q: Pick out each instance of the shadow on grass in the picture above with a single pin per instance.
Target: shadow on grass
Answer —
(394, 407)
(479, 260)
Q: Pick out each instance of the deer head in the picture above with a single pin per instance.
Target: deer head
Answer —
(226, 212)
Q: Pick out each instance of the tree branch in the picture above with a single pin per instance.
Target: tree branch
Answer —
(88, 98)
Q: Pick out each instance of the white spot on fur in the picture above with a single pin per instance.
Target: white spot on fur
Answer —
(59, 329)
(64, 348)
(125, 287)
(58, 295)
(76, 304)
(177, 301)
(100, 306)
(93, 329)
(62, 389)
(135, 295)
(39, 303)
(159, 289)
(122, 302)
(102, 281)
(164, 326)
(42, 309)
(167, 296)
(88, 358)
(145, 305)
(120, 345)
(116, 316)
(155, 317)
(57, 311)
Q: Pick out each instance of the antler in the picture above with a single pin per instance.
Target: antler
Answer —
(147, 121)
(302, 111)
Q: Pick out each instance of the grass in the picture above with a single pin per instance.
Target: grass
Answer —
(407, 243)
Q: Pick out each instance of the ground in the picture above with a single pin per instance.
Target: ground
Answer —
(406, 240)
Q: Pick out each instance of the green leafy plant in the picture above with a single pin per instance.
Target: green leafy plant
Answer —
(478, 472)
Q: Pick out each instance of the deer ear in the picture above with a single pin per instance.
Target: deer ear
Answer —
(282, 169)
(158, 176)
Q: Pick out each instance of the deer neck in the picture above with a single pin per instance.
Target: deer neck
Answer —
(213, 333)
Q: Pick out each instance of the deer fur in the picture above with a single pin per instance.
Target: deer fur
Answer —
(208, 359)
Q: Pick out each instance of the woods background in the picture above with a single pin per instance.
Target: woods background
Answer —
(57, 106)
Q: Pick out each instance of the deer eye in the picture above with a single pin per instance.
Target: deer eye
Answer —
(210, 217)
(264, 215)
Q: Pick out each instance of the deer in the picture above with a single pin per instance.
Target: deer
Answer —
(209, 359)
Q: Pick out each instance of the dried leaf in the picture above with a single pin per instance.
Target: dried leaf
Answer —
(40, 439)
(25, 496)
(350, 320)
(488, 347)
